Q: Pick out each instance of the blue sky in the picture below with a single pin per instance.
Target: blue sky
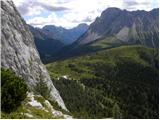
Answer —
(70, 13)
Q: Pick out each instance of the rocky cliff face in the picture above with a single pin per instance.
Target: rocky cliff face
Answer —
(131, 27)
(19, 52)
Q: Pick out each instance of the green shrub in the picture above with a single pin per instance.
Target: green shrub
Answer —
(13, 91)
(42, 88)
(116, 111)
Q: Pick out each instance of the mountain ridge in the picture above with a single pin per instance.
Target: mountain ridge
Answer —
(50, 39)
(115, 27)
(114, 21)
(66, 36)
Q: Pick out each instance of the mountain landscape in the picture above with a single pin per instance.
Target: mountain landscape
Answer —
(107, 70)
(129, 27)
(50, 39)
(67, 36)
(21, 58)
(116, 27)
(46, 44)
(114, 64)
(117, 83)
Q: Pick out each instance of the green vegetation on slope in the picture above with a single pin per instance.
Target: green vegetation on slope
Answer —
(26, 111)
(107, 42)
(120, 82)
(13, 91)
(94, 46)
(15, 102)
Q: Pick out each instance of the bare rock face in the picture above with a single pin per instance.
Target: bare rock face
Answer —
(18, 51)
(131, 27)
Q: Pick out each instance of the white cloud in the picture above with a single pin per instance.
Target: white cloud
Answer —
(69, 13)
(36, 7)
(53, 19)
(140, 4)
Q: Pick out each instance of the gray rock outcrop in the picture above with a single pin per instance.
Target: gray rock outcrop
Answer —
(131, 27)
(18, 51)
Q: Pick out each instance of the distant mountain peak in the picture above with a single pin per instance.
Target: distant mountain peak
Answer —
(128, 26)
(66, 36)
(82, 24)
(112, 9)
(51, 38)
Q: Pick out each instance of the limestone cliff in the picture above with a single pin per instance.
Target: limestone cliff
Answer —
(18, 51)
(129, 27)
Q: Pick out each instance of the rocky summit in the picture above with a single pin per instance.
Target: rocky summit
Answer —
(131, 27)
